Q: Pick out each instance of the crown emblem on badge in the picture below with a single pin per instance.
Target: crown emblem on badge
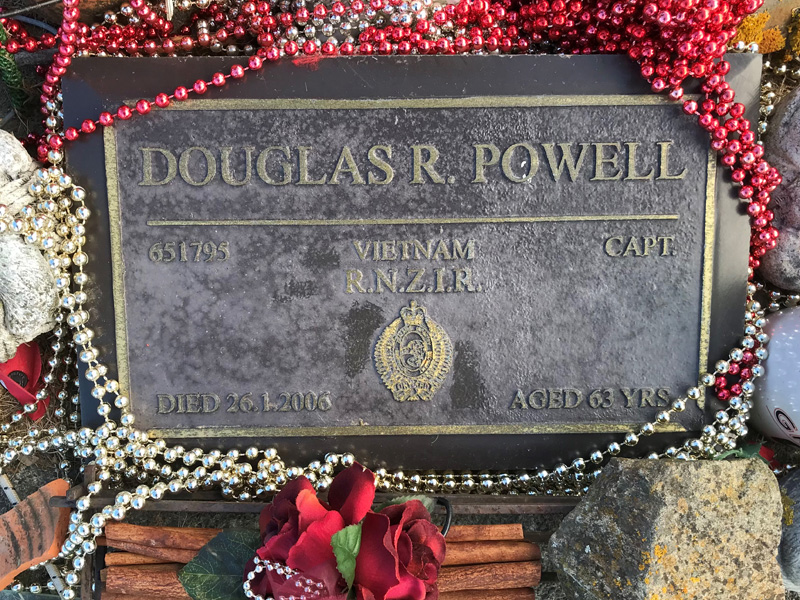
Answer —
(413, 355)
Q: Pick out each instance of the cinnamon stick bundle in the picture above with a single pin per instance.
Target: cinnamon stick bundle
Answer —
(159, 581)
(484, 558)
(186, 538)
(119, 559)
(478, 553)
(165, 555)
(484, 533)
(511, 594)
(497, 576)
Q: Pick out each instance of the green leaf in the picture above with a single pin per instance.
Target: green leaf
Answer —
(749, 451)
(428, 502)
(346, 543)
(216, 572)
(9, 595)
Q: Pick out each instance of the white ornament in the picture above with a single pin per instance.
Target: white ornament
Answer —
(776, 410)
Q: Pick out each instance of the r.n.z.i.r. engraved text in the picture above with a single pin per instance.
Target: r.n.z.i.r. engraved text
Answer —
(416, 279)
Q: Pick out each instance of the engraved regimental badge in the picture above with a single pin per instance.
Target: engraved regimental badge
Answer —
(413, 355)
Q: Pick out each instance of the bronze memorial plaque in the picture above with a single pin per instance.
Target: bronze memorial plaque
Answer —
(472, 261)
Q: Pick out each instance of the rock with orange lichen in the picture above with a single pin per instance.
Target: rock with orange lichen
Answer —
(751, 29)
(789, 553)
(674, 530)
(772, 40)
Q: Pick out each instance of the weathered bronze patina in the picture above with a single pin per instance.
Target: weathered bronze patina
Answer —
(430, 261)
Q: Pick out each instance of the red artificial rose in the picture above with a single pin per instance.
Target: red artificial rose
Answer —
(296, 530)
(400, 555)
(401, 552)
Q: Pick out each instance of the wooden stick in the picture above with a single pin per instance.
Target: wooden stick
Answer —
(497, 576)
(512, 594)
(479, 553)
(106, 595)
(481, 533)
(165, 555)
(188, 538)
(115, 596)
(117, 559)
(153, 581)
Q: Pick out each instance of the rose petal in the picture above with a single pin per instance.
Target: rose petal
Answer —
(399, 514)
(425, 533)
(409, 588)
(310, 509)
(428, 550)
(284, 502)
(433, 593)
(261, 585)
(265, 525)
(363, 593)
(404, 548)
(376, 567)
(352, 493)
(412, 520)
(430, 573)
(313, 556)
(422, 564)
(281, 587)
(277, 547)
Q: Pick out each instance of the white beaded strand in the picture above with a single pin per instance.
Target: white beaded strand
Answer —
(310, 587)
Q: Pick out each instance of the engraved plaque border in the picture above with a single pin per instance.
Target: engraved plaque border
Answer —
(117, 264)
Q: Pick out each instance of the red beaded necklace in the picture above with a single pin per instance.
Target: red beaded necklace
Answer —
(671, 40)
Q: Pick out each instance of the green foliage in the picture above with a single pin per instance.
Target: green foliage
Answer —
(11, 75)
(9, 595)
(749, 451)
(428, 502)
(216, 572)
(346, 544)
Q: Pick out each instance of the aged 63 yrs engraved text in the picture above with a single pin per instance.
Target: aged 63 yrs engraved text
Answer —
(568, 398)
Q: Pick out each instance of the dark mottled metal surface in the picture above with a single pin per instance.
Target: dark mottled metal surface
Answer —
(553, 310)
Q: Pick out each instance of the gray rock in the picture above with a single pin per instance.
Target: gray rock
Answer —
(16, 173)
(781, 266)
(28, 295)
(789, 553)
(659, 530)
(15, 162)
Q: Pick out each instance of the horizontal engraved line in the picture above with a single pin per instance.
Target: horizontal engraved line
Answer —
(463, 102)
(359, 430)
(417, 221)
